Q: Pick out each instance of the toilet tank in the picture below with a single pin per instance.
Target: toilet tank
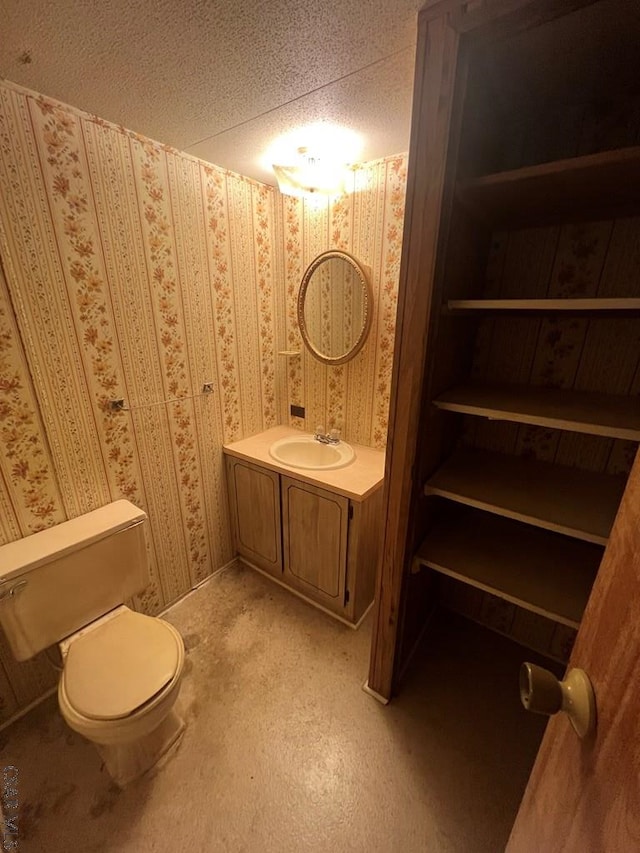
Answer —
(54, 582)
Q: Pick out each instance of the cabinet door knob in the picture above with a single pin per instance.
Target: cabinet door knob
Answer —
(542, 693)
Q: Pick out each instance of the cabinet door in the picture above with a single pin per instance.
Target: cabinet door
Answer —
(254, 498)
(315, 542)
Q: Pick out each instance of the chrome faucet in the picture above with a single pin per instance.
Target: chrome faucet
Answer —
(332, 437)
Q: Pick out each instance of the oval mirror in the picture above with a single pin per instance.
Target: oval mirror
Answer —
(334, 307)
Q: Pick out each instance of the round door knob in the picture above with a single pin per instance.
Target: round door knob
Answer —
(540, 690)
(542, 693)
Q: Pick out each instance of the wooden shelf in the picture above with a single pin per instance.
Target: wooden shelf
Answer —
(535, 569)
(542, 306)
(597, 185)
(577, 411)
(578, 503)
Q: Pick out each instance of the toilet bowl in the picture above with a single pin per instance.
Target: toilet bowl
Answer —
(121, 670)
(119, 684)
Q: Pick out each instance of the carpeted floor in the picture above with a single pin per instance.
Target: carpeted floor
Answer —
(284, 752)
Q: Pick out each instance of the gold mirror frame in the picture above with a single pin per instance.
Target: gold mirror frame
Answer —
(361, 273)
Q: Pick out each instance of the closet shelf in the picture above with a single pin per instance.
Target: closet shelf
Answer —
(540, 571)
(589, 187)
(589, 306)
(577, 411)
(577, 503)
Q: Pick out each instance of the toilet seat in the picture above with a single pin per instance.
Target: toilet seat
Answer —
(114, 669)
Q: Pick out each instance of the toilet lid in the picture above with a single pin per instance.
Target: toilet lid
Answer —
(113, 669)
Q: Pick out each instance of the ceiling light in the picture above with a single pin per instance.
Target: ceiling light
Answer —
(317, 167)
(311, 174)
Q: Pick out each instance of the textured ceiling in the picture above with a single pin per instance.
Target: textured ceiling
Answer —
(222, 79)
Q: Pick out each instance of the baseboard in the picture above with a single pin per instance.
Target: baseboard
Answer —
(363, 617)
(354, 627)
(28, 708)
(377, 696)
(202, 583)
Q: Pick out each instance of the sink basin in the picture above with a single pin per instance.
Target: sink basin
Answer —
(304, 451)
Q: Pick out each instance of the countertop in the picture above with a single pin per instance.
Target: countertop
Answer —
(355, 481)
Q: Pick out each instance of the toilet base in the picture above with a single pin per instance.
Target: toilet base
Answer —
(127, 761)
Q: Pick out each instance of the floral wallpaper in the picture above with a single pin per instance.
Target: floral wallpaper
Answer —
(367, 223)
(578, 260)
(590, 354)
(130, 271)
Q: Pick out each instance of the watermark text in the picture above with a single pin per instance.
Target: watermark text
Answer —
(10, 802)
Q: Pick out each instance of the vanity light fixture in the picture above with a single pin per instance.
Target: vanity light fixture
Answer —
(311, 174)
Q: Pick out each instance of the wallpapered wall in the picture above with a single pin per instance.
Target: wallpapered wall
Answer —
(134, 271)
(353, 397)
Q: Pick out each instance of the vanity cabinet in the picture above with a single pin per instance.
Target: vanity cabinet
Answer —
(316, 533)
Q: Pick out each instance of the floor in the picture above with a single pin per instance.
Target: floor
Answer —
(284, 752)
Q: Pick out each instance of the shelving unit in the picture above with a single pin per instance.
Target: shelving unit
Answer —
(577, 503)
(590, 187)
(540, 571)
(527, 531)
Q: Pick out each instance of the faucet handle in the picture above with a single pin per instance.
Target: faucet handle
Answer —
(319, 430)
(335, 434)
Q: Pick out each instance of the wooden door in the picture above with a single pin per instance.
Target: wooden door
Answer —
(584, 797)
(315, 525)
(254, 503)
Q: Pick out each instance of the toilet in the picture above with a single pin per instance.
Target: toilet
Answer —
(121, 670)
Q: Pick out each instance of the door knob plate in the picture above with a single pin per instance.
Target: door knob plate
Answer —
(579, 702)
